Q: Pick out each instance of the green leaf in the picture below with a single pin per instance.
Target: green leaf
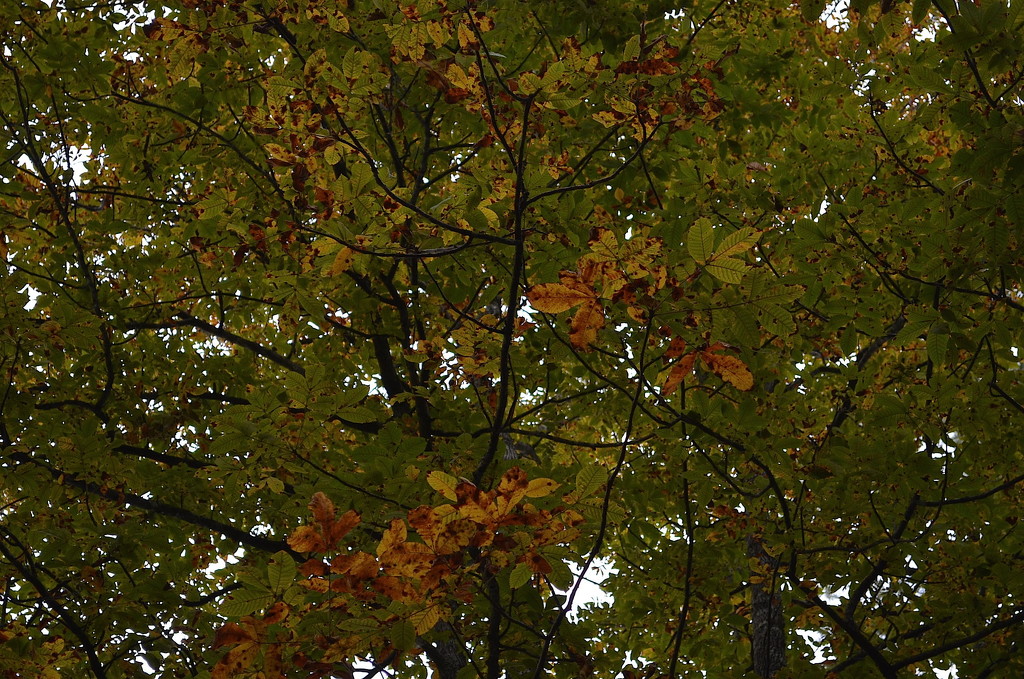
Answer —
(589, 479)
(938, 340)
(736, 242)
(727, 270)
(919, 11)
(280, 572)
(700, 241)
(519, 576)
(403, 635)
(244, 601)
(360, 625)
(811, 10)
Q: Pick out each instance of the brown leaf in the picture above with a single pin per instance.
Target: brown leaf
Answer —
(537, 563)
(675, 348)
(424, 521)
(395, 589)
(511, 489)
(409, 560)
(455, 536)
(313, 567)
(273, 665)
(322, 508)
(359, 565)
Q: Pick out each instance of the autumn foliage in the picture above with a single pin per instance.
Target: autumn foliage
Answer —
(359, 338)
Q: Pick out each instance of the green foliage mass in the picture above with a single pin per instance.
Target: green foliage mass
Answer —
(307, 307)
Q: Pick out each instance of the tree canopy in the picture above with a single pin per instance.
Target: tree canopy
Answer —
(351, 338)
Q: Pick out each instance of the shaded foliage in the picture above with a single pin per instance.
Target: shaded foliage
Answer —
(340, 338)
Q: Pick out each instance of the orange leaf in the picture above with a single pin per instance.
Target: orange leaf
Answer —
(585, 324)
(679, 372)
(306, 539)
(342, 526)
(554, 298)
(731, 369)
(231, 634)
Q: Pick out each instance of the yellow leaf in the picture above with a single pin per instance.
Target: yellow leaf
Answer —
(425, 620)
(443, 484)
(467, 40)
(393, 536)
(541, 487)
(342, 261)
(585, 324)
(235, 661)
(554, 298)
(731, 369)
(437, 33)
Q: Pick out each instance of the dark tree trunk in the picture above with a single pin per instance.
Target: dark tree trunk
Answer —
(768, 635)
